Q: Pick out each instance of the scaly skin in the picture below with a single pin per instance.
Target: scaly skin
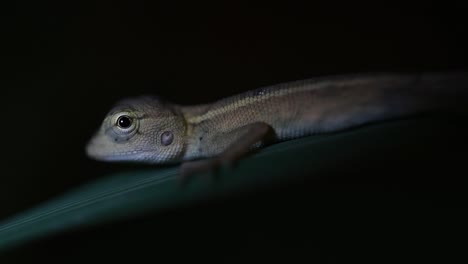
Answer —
(162, 132)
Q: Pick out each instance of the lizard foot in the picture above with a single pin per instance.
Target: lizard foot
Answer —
(190, 168)
(208, 166)
(252, 134)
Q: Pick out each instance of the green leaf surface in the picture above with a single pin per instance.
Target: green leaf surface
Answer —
(138, 192)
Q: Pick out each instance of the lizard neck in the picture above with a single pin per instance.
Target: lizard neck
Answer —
(193, 131)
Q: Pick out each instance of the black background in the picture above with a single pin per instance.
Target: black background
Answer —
(65, 63)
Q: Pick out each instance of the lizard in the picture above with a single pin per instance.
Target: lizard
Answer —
(202, 137)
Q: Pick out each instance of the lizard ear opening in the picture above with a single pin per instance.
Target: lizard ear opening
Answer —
(166, 138)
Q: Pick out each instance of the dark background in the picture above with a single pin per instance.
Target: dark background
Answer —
(65, 63)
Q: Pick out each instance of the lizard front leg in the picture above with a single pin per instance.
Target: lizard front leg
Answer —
(244, 140)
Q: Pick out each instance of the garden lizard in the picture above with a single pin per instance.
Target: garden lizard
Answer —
(202, 137)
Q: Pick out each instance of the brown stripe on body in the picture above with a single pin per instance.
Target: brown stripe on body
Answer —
(294, 109)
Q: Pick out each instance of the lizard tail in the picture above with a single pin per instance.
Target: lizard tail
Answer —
(446, 89)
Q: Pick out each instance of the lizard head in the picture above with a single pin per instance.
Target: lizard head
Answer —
(141, 129)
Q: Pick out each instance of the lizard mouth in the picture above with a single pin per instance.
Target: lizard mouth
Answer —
(135, 155)
(98, 152)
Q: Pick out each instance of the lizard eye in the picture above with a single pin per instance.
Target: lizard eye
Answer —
(122, 126)
(124, 121)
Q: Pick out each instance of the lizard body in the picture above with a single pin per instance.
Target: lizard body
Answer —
(148, 129)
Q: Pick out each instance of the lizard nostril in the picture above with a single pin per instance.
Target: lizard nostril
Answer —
(90, 149)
